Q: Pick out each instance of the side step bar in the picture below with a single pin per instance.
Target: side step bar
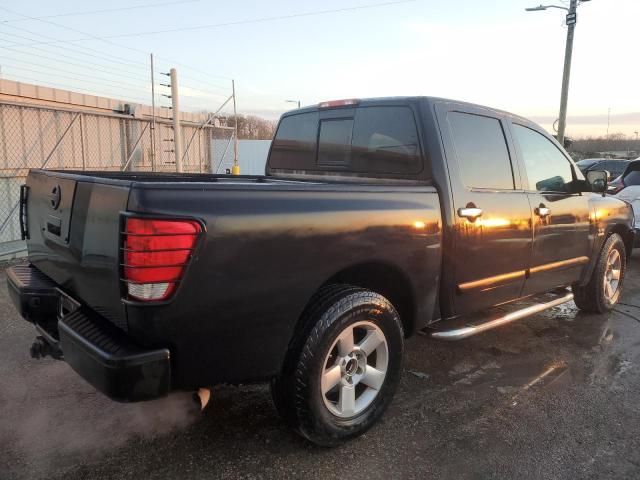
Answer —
(465, 332)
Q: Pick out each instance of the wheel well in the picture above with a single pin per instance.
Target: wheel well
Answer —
(627, 237)
(388, 281)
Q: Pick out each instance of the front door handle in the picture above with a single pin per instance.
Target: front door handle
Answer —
(470, 213)
(542, 211)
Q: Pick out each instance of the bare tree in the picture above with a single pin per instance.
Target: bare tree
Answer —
(595, 146)
(251, 127)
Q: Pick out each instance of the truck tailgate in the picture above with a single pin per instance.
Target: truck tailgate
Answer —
(73, 229)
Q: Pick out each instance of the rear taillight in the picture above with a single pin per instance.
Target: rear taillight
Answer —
(156, 253)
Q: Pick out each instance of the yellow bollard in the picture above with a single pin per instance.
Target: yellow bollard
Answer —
(235, 170)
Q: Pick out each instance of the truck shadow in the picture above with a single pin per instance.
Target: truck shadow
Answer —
(449, 392)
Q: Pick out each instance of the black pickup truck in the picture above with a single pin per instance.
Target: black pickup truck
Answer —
(375, 219)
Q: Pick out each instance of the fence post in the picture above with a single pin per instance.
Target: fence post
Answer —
(84, 166)
(236, 167)
(177, 132)
(153, 119)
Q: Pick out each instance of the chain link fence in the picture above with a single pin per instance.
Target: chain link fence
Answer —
(33, 136)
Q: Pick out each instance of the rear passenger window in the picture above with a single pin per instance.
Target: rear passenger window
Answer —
(482, 151)
(294, 145)
(385, 140)
(334, 142)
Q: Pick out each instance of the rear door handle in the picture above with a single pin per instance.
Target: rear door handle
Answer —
(542, 211)
(470, 213)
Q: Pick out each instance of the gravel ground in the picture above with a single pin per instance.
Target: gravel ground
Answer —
(554, 396)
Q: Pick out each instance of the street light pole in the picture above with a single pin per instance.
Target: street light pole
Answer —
(571, 20)
(293, 101)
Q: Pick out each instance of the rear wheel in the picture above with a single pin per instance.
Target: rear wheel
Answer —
(605, 285)
(343, 373)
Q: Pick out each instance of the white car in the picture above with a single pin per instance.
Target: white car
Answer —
(627, 187)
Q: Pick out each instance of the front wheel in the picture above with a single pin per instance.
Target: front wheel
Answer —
(605, 285)
(342, 376)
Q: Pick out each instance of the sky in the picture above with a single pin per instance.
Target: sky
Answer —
(489, 52)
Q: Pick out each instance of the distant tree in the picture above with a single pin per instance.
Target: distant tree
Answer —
(251, 127)
(593, 146)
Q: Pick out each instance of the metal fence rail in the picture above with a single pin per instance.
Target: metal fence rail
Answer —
(33, 136)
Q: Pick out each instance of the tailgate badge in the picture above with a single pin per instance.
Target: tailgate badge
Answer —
(55, 197)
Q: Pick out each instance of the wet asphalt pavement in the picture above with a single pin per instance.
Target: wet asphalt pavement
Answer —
(553, 396)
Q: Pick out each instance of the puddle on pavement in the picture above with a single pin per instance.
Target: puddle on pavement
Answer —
(550, 350)
(566, 312)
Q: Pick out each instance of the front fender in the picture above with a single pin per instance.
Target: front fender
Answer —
(608, 215)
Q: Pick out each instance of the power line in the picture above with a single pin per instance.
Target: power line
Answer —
(55, 41)
(203, 83)
(194, 69)
(15, 44)
(105, 10)
(117, 83)
(227, 24)
(84, 64)
(21, 78)
(264, 19)
(66, 75)
(105, 85)
(49, 53)
(189, 87)
(105, 39)
(92, 37)
(101, 67)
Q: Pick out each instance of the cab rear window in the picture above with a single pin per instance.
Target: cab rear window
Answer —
(294, 146)
(377, 139)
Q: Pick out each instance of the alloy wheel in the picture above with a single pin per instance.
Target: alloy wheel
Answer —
(354, 369)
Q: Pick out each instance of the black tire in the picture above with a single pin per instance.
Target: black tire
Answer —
(283, 383)
(591, 297)
(297, 391)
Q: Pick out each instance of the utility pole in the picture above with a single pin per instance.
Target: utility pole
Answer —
(235, 170)
(153, 118)
(568, 52)
(571, 20)
(175, 107)
(608, 121)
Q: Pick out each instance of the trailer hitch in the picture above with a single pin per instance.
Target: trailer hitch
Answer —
(41, 348)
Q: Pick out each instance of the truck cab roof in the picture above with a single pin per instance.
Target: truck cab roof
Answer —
(374, 101)
(388, 138)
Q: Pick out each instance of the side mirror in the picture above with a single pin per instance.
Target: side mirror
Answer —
(598, 180)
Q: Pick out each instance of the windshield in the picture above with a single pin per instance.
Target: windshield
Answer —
(582, 164)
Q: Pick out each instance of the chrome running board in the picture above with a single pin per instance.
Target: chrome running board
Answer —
(468, 331)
